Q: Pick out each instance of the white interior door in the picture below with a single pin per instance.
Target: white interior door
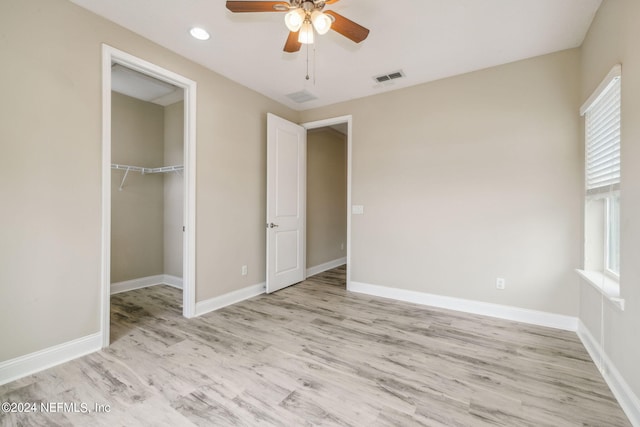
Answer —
(286, 202)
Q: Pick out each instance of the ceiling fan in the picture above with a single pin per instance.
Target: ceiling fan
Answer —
(303, 16)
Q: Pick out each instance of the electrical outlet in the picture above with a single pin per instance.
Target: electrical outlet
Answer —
(245, 270)
(500, 283)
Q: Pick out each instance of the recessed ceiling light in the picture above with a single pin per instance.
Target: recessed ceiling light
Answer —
(200, 33)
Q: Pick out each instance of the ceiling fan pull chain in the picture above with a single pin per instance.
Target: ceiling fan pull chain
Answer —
(307, 62)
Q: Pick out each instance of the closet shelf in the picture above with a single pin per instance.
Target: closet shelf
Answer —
(144, 171)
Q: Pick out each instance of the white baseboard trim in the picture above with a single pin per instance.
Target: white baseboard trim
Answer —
(174, 281)
(212, 304)
(145, 282)
(627, 399)
(506, 312)
(22, 366)
(312, 271)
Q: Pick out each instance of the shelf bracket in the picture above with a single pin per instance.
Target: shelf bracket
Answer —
(124, 178)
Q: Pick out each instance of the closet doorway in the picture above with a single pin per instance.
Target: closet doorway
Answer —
(148, 172)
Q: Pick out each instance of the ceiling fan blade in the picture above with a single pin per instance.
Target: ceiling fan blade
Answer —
(347, 27)
(331, 1)
(292, 44)
(257, 6)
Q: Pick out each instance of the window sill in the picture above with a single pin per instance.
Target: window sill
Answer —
(605, 285)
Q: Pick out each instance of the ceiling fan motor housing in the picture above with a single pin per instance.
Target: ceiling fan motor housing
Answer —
(307, 5)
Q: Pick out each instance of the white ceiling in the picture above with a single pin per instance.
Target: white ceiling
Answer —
(427, 39)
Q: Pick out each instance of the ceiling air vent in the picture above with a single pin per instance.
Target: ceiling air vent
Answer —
(302, 96)
(385, 78)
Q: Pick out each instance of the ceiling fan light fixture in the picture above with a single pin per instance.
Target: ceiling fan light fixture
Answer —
(321, 22)
(306, 33)
(294, 19)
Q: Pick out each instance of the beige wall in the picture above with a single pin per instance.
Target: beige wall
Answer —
(173, 188)
(612, 39)
(326, 196)
(50, 172)
(471, 178)
(137, 212)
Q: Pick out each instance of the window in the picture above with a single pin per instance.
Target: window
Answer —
(602, 178)
(613, 235)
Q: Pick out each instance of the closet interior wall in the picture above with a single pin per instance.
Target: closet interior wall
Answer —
(146, 214)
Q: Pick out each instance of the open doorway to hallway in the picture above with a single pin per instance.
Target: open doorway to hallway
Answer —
(327, 156)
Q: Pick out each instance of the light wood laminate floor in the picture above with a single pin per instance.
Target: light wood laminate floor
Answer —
(314, 354)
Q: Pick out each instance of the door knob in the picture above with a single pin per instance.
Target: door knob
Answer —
(272, 225)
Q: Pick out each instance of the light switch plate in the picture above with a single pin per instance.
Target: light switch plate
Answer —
(357, 209)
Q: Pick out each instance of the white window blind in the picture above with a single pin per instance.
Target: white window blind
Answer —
(602, 118)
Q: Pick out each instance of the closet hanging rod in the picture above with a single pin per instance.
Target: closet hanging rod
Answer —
(143, 171)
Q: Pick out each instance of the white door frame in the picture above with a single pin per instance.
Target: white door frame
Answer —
(337, 121)
(112, 55)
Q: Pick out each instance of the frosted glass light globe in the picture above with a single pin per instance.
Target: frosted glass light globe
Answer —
(294, 19)
(321, 22)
